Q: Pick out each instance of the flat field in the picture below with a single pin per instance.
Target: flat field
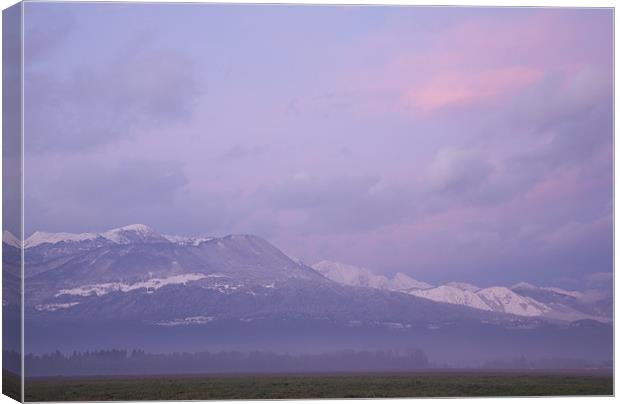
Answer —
(279, 386)
(11, 385)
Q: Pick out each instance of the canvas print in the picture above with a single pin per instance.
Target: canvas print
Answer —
(237, 201)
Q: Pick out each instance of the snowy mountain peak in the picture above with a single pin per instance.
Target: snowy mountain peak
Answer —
(123, 235)
(9, 239)
(135, 233)
(356, 276)
(41, 237)
(138, 228)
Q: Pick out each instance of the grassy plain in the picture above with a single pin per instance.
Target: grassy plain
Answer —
(278, 386)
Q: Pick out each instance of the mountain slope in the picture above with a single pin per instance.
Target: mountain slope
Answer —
(452, 295)
(502, 299)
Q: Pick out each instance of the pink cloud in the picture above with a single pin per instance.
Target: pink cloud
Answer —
(481, 60)
(564, 183)
(454, 88)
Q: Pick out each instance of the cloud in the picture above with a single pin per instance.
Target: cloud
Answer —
(599, 281)
(240, 152)
(136, 182)
(95, 195)
(459, 171)
(454, 88)
(143, 87)
(468, 145)
(571, 109)
(332, 205)
(575, 234)
(479, 60)
(46, 31)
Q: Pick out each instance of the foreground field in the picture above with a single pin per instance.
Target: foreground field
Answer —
(11, 385)
(431, 384)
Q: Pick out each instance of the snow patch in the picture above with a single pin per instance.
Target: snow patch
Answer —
(196, 320)
(187, 240)
(54, 306)
(100, 289)
(132, 233)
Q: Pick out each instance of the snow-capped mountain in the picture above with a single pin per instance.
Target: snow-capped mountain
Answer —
(354, 276)
(9, 239)
(145, 258)
(136, 257)
(135, 233)
(40, 237)
(522, 299)
(133, 272)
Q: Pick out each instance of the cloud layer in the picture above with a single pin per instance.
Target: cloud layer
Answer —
(447, 143)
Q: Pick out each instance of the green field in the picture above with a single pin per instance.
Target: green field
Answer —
(429, 384)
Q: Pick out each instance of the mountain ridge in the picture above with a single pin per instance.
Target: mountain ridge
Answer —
(493, 298)
(123, 259)
(240, 292)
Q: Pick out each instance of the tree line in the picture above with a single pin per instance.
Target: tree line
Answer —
(124, 362)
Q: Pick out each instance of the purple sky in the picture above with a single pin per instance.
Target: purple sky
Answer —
(447, 143)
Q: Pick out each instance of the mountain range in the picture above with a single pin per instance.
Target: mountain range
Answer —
(135, 287)
(522, 299)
